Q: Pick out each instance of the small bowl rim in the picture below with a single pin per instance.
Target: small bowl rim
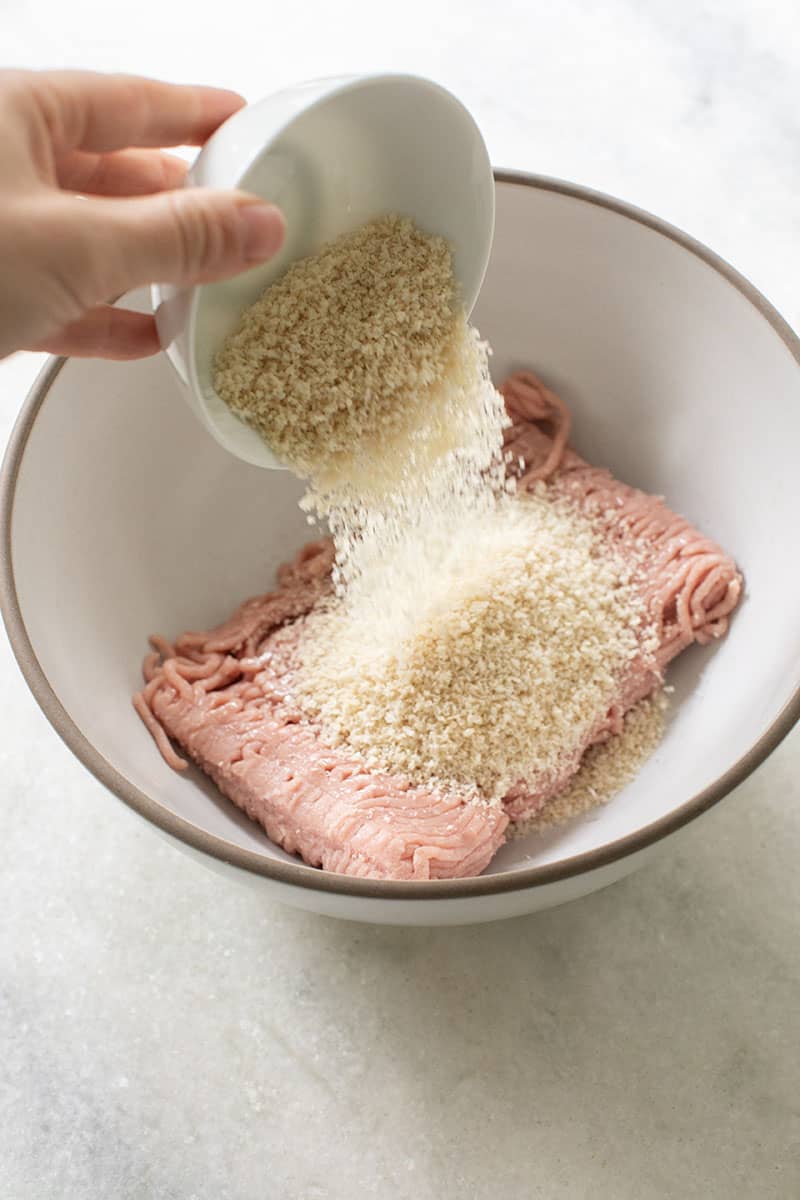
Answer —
(296, 874)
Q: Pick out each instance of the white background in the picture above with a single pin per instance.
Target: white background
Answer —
(165, 1035)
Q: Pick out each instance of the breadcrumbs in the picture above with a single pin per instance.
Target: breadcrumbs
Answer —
(605, 770)
(340, 360)
(474, 639)
(483, 655)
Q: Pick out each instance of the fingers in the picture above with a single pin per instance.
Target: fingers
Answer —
(121, 173)
(97, 113)
(106, 332)
(190, 236)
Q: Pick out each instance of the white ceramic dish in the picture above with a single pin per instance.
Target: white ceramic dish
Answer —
(331, 154)
(121, 516)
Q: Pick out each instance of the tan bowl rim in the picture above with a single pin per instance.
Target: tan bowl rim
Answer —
(294, 873)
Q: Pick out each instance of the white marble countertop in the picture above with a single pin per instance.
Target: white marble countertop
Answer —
(165, 1035)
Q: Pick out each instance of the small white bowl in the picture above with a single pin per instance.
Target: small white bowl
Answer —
(119, 516)
(331, 154)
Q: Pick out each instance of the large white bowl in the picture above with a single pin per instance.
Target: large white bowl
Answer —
(332, 154)
(121, 516)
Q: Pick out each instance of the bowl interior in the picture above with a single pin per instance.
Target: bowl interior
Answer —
(128, 518)
(351, 151)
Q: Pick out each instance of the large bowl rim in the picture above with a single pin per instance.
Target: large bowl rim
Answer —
(297, 874)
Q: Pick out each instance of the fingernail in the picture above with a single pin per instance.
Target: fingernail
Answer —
(264, 229)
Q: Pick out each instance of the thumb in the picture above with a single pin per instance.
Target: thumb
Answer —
(193, 235)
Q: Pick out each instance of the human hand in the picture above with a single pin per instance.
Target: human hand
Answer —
(84, 218)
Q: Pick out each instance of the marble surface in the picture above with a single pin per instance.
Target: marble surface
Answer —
(166, 1035)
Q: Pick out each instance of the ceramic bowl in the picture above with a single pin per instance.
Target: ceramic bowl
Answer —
(121, 516)
(331, 154)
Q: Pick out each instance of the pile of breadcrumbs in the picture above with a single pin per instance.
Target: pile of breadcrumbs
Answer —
(490, 665)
